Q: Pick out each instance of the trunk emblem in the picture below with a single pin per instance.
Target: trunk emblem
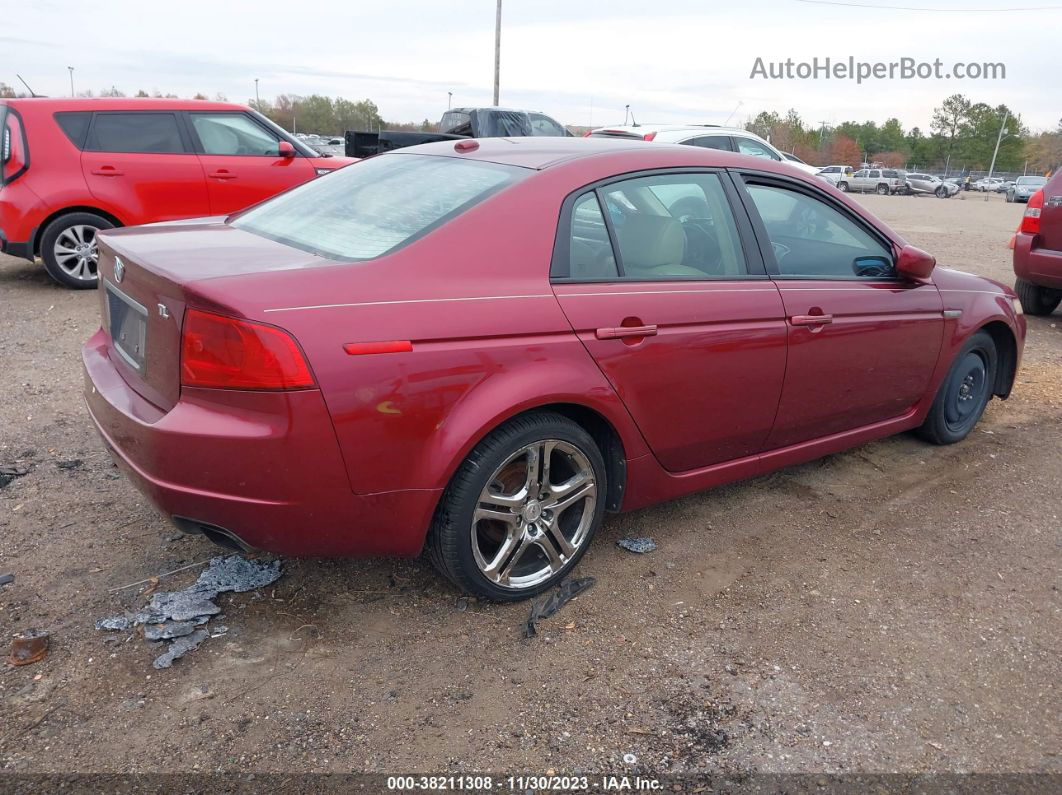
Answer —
(119, 270)
(163, 311)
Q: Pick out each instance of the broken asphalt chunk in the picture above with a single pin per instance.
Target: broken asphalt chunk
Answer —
(547, 605)
(180, 647)
(638, 545)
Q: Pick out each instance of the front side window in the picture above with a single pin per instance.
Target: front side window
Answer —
(663, 227)
(544, 125)
(862, 173)
(382, 204)
(233, 134)
(136, 133)
(747, 146)
(812, 239)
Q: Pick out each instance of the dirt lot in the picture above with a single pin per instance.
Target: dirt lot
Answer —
(892, 608)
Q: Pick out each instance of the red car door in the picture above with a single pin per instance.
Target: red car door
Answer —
(140, 165)
(863, 343)
(242, 162)
(679, 317)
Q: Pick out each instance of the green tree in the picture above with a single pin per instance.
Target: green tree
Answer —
(951, 120)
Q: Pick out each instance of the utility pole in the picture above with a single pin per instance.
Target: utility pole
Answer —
(999, 139)
(626, 114)
(497, 53)
(257, 101)
(449, 99)
(71, 80)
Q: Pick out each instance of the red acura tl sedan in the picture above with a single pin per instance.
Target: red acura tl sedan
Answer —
(480, 347)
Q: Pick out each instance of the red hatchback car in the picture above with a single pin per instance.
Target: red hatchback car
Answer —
(481, 347)
(1038, 250)
(71, 167)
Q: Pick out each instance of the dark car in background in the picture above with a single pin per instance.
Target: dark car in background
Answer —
(1038, 250)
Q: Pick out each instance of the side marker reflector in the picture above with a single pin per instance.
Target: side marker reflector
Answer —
(394, 346)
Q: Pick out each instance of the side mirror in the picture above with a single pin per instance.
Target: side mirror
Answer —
(285, 149)
(915, 264)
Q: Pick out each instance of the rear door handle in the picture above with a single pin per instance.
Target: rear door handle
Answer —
(811, 320)
(106, 171)
(625, 331)
(222, 175)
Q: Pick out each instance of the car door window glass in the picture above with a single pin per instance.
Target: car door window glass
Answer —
(544, 125)
(747, 146)
(712, 142)
(233, 134)
(136, 133)
(590, 250)
(812, 239)
(673, 227)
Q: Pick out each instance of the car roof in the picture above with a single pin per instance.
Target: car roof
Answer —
(642, 129)
(119, 103)
(541, 152)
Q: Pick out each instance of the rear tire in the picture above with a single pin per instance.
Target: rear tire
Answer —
(942, 192)
(498, 531)
(883, 189)
(966, 390)
(1037, 300)
(842, 187)
(69, 251)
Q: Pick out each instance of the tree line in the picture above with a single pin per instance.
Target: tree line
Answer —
(961, 137)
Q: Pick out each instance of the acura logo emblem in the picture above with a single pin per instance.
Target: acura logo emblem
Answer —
(119, 270)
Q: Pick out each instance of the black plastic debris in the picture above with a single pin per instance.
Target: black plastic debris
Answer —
(638, 545)
(9, 472)
(546, 606)
(6, 579)
(178, 616)
(72, 463)
(180, 647)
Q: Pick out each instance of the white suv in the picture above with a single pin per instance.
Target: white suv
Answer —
(730, 139)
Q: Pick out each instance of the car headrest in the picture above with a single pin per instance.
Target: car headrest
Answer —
(648, 241)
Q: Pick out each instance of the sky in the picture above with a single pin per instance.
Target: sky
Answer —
(580, 61)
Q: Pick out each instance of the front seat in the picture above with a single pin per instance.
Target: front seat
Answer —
(653, 247)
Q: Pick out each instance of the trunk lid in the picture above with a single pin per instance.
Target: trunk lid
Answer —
(147, 279)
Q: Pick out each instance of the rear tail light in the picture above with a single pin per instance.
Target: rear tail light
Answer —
(5, 144)
(649, 136)
(587, 133)
(1030, 222)
(223, 352)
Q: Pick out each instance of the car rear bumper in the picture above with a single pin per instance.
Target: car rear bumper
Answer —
(15, 249)
(261, 468)
(1037, 265)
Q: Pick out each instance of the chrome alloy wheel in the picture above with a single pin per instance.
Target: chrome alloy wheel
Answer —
(76, 252)
(534, 514)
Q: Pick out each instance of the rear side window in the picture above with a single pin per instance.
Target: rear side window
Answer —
(76, 126)
(382, 204)
(544, 125)
(136, 133)
(713, 142)
(747, 146)
(590, 250)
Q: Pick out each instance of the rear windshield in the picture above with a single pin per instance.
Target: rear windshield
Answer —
(1032, 181)
(371, 208)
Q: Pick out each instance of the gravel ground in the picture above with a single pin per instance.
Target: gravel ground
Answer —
(891, 608)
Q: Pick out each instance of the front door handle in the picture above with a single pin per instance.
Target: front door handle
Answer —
(222, 174)
(811, 320)
(620, 332)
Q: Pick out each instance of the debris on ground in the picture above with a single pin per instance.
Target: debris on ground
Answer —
(639, 545)
(6, 579)
(547, 605)
(9, 472)
(28, 647)
(72, 463)
(179, 616)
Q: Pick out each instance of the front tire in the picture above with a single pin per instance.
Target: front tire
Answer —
(883, 189)
(69, 250)
(521, 510)
(942, 192)
(1037, 300)
(966, 390)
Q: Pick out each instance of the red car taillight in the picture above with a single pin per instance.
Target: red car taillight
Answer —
(1030, 222)
(228, 353)
(649, 136)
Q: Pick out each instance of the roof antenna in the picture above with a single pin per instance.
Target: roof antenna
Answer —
(32, 94)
